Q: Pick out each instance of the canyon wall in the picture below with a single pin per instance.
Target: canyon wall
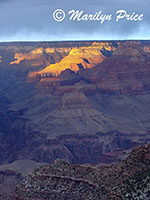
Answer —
(63, 99)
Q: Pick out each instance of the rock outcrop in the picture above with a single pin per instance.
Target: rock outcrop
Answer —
(40, 56)
(128, 179)
(79, 58)
(127, 71)
(113, 67)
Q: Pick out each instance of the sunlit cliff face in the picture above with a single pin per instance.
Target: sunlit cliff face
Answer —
(33, 56)
(22, 56)
(79, 58)
(113, 66)
(147, 49)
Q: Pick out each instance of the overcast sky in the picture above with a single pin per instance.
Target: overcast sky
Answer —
(32, 20)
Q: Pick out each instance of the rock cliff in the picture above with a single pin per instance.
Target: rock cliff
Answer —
(90, 108)
(113, 67)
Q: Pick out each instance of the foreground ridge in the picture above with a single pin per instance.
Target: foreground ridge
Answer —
(129, 179)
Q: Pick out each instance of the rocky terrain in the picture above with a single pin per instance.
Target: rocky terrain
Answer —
(12, 174)
(86, 102)
(83, 101)
(129, 179)
(117, 67)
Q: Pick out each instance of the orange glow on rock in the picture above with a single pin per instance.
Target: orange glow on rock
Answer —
(82, 57)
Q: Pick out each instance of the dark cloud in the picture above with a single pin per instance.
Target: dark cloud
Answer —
(32, 20)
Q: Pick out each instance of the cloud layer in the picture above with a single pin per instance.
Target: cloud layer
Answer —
(32, 20)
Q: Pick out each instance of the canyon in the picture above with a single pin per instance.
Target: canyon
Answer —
(81, 101)
(60, 97)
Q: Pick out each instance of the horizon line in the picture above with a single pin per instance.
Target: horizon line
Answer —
(34, 41)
